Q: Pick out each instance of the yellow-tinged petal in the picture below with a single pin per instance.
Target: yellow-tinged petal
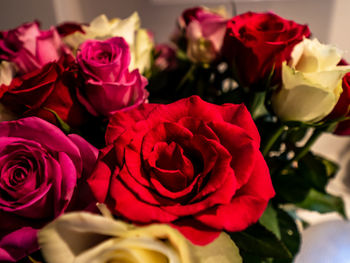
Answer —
(310, 56)
(82, 237)
(7, 72)
(222, 250)
(141, 51)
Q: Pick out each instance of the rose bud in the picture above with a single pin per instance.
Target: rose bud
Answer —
(204, 31)
(165, 57)
(31, 48)
(109, 85)
(258, 43)
(311, 83)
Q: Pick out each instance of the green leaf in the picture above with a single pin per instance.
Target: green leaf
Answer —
(256, 104)
(289, 232)
(314, 171)
(249, 258)
(64, 126)
(323, 203)
(296, 134)
(270, 221)
(290, 186)
(331, 167)
(257, 240)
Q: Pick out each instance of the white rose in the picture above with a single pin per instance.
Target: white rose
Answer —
(86, 238)
(140, 43)
(311, 82)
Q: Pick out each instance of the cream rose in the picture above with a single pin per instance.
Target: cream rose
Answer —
(311, 82)
(86, 238)
(138, 39)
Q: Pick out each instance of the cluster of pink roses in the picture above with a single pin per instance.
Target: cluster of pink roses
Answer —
(193, 165)
(50, 80)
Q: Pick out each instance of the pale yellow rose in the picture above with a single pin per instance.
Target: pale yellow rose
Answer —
(86, 238)
(140, 42)
(311, 82)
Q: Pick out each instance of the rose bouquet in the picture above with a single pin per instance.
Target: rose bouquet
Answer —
(113, 148)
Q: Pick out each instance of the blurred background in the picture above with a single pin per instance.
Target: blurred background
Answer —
(328, 20)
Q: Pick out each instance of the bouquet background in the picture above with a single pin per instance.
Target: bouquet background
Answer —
(191, 82)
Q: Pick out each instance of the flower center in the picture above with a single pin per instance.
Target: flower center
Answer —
(17, 177)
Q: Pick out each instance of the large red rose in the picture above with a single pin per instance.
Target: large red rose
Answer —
(50, 88)
(190, 163)
(255, 43)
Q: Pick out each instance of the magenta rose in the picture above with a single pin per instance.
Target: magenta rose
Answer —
(205, 31)
(109, 85)
(40, 170)
(30, 48)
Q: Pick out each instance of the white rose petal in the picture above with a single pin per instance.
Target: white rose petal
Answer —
(82, 237)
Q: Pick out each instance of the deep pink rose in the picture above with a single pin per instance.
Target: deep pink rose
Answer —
(109, 85)
(205, 31)
(193, 164)
(30, 48)
(165, 57)
(40, 169)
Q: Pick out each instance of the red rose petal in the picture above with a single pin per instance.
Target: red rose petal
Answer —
(196, 232)
(247, 205)
(129, 206)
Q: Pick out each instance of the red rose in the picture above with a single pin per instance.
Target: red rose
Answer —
(68, 28)
(257, 42)
(342, 108)
(190, 163)
(51, 87)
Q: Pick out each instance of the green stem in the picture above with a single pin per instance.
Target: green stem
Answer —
(304, 150)
(273, 139)
(187, 77)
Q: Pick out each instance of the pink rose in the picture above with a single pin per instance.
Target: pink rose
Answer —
(166, 57)
(205, 31)
(40, 169)
(109, 85)
(30, 48)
